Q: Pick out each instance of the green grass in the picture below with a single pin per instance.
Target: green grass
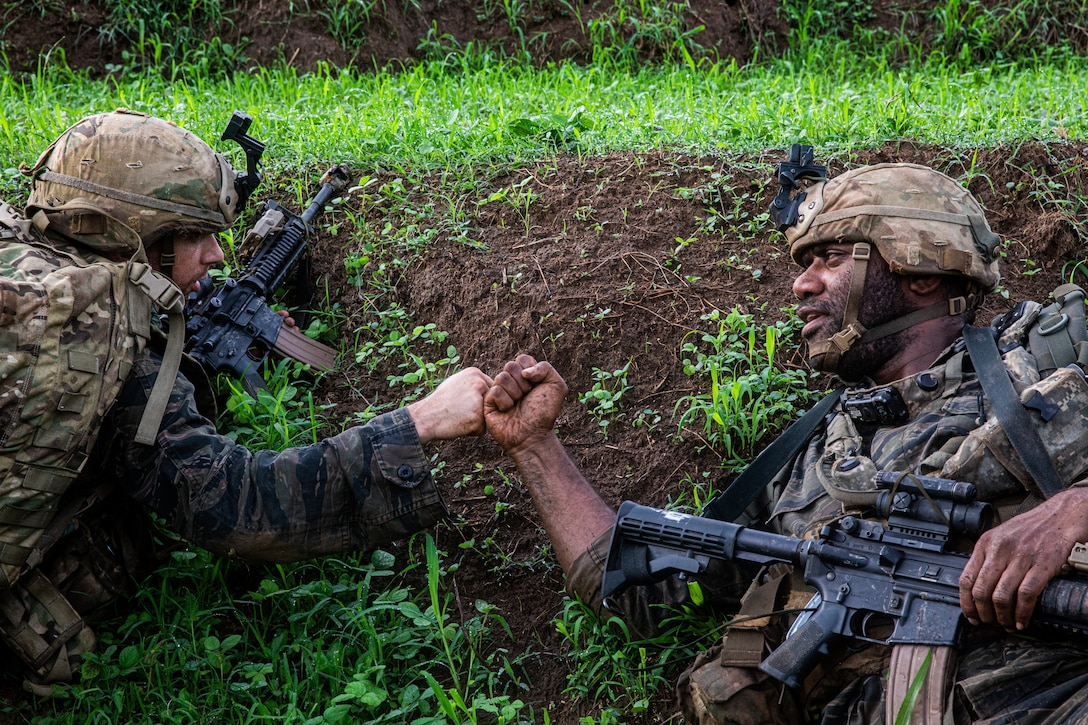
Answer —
(435, 116)
(376, 638)
(745, 392)
(346, 641)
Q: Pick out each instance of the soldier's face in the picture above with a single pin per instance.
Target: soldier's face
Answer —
(194, 256)
(823, 288)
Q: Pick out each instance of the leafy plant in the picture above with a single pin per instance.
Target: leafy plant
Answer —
(634, 29)
(1072, 270)
(349, 641)
(813, 20)
(390, 336)
(604, 399)
(621, 673)
(558, 131)
(750, 394)
(347, 20)
(518, 197)
(280, 416)
(356, 639)
(167, 36)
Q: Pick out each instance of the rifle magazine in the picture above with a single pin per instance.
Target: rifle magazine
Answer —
(919, 678)
(293, 344)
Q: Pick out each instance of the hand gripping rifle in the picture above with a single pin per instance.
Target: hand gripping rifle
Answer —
(231, 328)
(869, 577)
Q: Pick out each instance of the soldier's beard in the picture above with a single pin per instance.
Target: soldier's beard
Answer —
(882, 300)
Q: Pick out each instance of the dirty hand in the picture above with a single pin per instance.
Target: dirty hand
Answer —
(454, 409)
(522, 405)
(1013, 562)
(288, 321)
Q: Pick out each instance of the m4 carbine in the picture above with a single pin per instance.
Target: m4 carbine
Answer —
(870, 577)
(231, 328)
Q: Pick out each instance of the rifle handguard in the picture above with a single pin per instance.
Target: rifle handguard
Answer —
(232, 328)
(868, 575)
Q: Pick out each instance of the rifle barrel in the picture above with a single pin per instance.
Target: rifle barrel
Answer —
(335, 179)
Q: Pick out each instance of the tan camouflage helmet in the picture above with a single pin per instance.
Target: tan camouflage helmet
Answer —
(147, 173)
(920, 220)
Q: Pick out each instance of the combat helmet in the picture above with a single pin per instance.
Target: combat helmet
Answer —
(920, 220)
(148, 174)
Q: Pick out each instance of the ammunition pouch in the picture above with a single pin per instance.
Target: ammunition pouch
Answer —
(44, 615)
(43, 629)
(1060, 336)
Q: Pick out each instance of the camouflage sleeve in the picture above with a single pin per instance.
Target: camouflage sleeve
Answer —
(355, 491)
(643, 608)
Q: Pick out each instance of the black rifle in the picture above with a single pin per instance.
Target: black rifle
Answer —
(231, 328)
(869, 577)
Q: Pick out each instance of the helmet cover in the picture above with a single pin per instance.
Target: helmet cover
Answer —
(920, 220)
(143, 171)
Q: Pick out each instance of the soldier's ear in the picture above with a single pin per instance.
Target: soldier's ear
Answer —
(924, 285)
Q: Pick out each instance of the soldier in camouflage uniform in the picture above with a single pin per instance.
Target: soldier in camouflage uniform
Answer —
(123, 182)
(895, 260)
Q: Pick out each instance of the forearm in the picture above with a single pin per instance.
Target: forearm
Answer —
(571, 510)
(357, 490)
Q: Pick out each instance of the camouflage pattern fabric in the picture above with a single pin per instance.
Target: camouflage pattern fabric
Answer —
(44, 617)
(72, 319)
(362, 488)
(69, 331)
(75, 323)
(920, 220)
(142, 171)
(951, 433)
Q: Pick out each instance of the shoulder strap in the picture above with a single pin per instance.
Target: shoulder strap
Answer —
(1015, 421)
(167, 297)
(148, 286)
(730, 503)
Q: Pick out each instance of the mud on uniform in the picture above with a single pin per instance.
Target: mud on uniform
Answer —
(951, 433)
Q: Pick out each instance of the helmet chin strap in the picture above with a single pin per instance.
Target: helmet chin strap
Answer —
(852, 332)
(166, 256)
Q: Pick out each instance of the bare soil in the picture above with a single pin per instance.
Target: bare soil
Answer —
(597, 283)
(592, 277)
(296, 33)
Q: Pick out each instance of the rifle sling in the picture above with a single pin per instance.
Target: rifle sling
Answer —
(1014, 419)
(731, 503)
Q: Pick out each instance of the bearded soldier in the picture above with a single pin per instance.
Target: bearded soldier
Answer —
(895, 259)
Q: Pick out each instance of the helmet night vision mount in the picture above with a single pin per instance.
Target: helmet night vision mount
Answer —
(799, 167)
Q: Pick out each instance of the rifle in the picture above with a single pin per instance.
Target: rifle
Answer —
(231, 328)
(869, 576)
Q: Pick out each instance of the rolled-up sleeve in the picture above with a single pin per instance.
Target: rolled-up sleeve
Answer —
(354, 491)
